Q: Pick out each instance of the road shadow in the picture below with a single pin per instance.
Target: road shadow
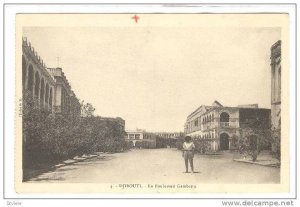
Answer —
(48, 179)
(191, 172)
(64, 169)
(34, 174)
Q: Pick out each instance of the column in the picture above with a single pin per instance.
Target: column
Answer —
(48, 105)
(33, 83)
(26, 78)
(214, 145)
(272, 82)
(39, 93)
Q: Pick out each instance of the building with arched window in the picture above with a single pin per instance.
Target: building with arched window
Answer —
(222, 125)
(48, 87)
(276, 84)
(37, 81)
(276, 91)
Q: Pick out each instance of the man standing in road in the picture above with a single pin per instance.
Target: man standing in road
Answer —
(188, 153)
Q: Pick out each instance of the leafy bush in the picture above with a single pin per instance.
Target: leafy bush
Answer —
(253, 141)
(202, 145)
(160, 142)
(51, 138)
(179, 143)
(139, 144)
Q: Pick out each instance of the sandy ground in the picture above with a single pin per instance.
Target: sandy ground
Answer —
(160, 165)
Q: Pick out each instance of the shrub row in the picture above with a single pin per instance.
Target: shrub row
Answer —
(52, 138)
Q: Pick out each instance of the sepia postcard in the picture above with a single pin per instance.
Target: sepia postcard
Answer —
(152, 103)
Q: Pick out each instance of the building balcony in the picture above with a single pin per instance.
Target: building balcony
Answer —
(224, 124)
(207, 127)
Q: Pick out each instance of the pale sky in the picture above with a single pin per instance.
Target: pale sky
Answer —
(154, 77)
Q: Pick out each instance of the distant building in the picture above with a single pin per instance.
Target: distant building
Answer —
(169, 139)
(221, 126)
(171, 135)
(134, 135)
(142, 139)
(276, 85)
(49, 87)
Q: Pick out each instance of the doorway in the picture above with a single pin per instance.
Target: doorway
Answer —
(224, 141)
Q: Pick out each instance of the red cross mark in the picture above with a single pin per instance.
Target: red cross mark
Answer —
(136, 18)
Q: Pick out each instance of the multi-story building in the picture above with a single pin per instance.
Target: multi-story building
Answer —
(276, 85)
(66, 101)
(37, 82)
(49, 87)
(221, 126)
(141, 138)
